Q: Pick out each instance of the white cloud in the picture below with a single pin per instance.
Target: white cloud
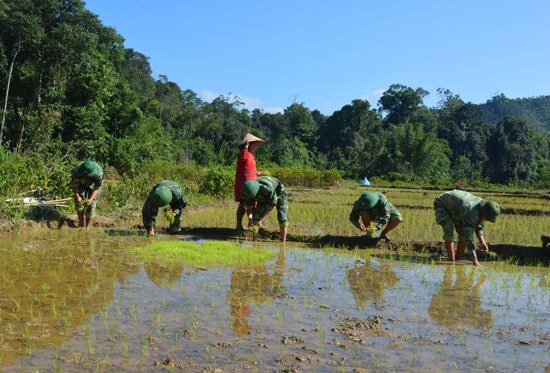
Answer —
(209, 96)
(373, 96)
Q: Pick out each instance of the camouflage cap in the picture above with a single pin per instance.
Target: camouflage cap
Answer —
(368, 200)
(90, 167)
(250, 189)
(490, 210)
(161, 197)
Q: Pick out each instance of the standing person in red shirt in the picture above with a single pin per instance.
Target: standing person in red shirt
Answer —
(246, 170)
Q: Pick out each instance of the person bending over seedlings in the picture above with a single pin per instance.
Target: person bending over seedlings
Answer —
(371, 206)
(466, 213)
(86, 180)
(166, 193)
(260, 197)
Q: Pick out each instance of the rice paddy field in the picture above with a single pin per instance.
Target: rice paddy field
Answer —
(92, 301)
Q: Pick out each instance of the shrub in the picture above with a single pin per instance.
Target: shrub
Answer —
(218, 181)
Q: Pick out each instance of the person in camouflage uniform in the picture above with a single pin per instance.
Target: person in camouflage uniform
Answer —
(86, 182)
(371, 206)
(165, 193)
(261, 196)
(466, 213)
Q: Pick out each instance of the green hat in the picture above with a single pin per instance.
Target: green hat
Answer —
(368, 200)
(490, 210)
(161, 197)
(90, 168)
(250, 189)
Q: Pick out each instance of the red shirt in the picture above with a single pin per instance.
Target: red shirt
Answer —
(246, 170)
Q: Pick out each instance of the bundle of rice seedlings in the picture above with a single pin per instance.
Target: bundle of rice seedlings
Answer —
(169, 216)
(370, 231)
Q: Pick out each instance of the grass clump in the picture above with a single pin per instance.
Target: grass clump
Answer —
(208, 253)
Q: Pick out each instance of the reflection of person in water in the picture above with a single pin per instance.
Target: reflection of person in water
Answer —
(368, 282)
(254, 286)
(458, 302)
(164, 275)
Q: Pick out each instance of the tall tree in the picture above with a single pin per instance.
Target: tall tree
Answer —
(412, 152)
(350, 139)
(400, 103)
(510, 152)
(301, 123)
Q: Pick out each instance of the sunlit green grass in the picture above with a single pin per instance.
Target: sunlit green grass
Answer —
(202, 254)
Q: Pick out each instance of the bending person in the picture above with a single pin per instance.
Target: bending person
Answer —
(166, 193)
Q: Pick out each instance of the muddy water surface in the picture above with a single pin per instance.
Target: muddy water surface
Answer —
(77, 301)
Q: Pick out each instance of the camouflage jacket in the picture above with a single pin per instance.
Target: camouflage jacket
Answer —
(268, 194)
(382, 211)
(464, 210)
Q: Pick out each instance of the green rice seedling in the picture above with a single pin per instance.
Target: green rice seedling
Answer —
(169, 215)
(133, 312)
(207, 253)
(126, 347)
(144, 350)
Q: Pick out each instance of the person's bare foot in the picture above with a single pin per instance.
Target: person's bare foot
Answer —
(239, 228)
(385, 237)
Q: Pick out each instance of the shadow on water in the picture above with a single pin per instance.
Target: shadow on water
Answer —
(77, 300)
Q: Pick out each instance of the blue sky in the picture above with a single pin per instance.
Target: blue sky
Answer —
(325, 54)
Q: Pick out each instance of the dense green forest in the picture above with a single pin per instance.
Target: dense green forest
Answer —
(71, 90)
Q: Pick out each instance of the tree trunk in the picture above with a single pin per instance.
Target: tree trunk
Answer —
(7, 93)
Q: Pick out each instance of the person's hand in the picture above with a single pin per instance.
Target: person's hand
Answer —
(362, 227)
(484, 247)
(78, 199)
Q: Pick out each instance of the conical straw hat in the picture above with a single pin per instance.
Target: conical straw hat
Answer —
(251, 138)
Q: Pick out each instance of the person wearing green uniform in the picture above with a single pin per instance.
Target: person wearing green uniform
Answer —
(86, 182)
(261, 196)
(466, 213)
(375, 206)
(166, 193)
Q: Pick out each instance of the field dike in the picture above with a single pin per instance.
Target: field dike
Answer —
(419, 249)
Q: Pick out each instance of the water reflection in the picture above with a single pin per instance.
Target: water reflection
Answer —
(368, 282)
(164, 275)
(254, 286)
(50, 287)
(458, 303)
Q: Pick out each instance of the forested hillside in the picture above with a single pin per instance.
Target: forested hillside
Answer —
(535, 111)
(71, 90)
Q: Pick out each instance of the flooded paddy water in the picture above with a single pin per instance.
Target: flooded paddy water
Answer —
(78, 301)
